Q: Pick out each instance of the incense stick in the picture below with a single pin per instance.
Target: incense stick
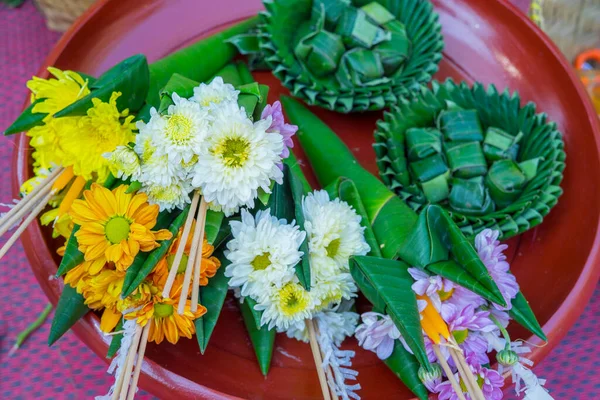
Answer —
(314, 347)
(139, 361)
(181, 246)
(198, 259)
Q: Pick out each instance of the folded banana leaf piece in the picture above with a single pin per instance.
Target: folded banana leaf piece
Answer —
(505, 161)
(348, 55)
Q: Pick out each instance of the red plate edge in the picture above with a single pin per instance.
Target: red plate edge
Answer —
(162, 381)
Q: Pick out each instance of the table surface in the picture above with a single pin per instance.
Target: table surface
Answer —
(69, 370)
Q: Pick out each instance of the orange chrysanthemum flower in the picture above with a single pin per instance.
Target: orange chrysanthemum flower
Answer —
(208, 268)
(166, 322)
(115, 226)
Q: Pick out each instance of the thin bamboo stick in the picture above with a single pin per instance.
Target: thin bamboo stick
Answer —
(139, 362)
(121, 378)
(129, 364)
(198, 259)
(331, 375)
(26, 201)
(25, 224)
(181, 247)
(448, 371)
(196, 240)
(10, 220)
(469, 378)
(316, 352)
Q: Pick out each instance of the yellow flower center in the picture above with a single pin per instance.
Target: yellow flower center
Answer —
(292, 299)
(233, 151)
(445, 295)
(334, 296)
(182, 264)
(117, 229)
(261, 262)
(333, 247)
(163, 310)
(461, 335)
(180, 129)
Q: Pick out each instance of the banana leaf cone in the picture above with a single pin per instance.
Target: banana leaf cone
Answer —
(505, 160)
(348, 56)
(430, 240)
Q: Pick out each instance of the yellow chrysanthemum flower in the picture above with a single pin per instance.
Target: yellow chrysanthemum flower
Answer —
(166, 322)
(100, 131)
(208, 268)
(59, 92)
(115, 226)
(46, 141)
(62, 226)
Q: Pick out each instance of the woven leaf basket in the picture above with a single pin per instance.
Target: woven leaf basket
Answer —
(60, 14)
(502, 110)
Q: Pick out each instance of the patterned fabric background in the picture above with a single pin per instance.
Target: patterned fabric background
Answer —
(70, 370)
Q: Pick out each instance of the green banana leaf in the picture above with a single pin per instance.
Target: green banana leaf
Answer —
(460, 125)
(392, 283)
(130, 77)
(345, 190)
(144, 263)
(297, 192)
(179, 84)
(423, 142)
(193, 62)
(466, 159)
(505, 181)
(523, 314)
(295, 167)
(470, 197)
(256, 314)
(72, 257)
(433, 237)
(26, 120)
(262, 339)
(115, 343)
(214, 220)
(212, 296)
(406, 367)
(70, 308)
(456, 273)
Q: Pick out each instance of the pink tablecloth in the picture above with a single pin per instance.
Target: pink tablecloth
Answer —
(69, 370)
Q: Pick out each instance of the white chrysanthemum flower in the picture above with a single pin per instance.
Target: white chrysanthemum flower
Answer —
(158, 171)
(339, 325)
(123, 162)
(333, 228)
(330, 291)
(263, 253)
(181, 131)
(236, 159)
(215, 93)
(284, 307)
(169, 196)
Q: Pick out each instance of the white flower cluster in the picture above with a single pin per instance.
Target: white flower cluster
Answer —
(265, 251)
(206, 143)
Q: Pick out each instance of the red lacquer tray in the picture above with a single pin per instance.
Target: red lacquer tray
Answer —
(486, 40)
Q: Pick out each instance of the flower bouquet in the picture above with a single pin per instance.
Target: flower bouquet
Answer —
(441, 303)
